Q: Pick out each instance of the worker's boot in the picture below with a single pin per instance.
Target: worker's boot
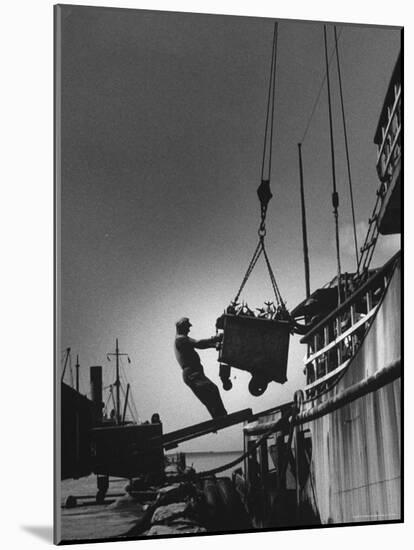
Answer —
(225, 377)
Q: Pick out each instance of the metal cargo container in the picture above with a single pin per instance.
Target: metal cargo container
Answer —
(258, 346)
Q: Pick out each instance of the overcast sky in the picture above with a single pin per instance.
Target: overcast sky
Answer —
(162, 134)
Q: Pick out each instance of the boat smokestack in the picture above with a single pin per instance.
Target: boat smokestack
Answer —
(96, 392)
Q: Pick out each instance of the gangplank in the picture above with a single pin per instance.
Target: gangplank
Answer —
(171, 440)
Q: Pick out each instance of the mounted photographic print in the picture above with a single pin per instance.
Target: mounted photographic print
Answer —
(228, 274)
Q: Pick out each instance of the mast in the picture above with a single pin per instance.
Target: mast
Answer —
(77, 373)
(304, 227)
(117, 383)
(118, 400)
(66, 363)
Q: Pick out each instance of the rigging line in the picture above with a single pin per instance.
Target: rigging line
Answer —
(252, 263)
(133, 416)
(318, 94)
(134, 411)
(335, 199)
(346, 145)
(304, 226)
(106, 403)
(124, 375)
(124, 396)
(131, 397)
(236, 461)
(70, 370)
(249, 452)
(273, 99)
(131, 404)
(269, 96)
(272, 276)
(113, 400)
(239, 459)
(134, 419)
(273, 279)
(67, 352)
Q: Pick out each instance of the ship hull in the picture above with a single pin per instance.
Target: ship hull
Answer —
(355, 473)
(335, 457)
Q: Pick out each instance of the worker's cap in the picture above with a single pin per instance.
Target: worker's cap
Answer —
(183, 322)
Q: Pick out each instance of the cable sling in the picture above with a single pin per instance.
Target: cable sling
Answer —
(264, 193)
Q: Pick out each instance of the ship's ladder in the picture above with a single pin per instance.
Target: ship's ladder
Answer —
(368, 248)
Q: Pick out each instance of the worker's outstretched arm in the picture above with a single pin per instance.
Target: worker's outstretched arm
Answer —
(206, 342)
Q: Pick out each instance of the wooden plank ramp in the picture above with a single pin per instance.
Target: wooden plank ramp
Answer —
(172, 439)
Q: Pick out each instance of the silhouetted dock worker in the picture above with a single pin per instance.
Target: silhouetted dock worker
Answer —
(193, 372)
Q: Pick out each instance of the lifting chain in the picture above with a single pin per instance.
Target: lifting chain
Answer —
(264, 193)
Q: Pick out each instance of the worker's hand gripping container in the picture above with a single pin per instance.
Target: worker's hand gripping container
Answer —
(259, 346)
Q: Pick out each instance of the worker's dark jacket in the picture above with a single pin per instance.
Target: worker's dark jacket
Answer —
(193, 372)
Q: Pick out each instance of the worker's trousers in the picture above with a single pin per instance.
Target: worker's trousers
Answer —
(206, 391)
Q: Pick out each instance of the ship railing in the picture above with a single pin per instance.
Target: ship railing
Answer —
(333, 357)
(324, 379)
(389, 149)
(345, 337)
(333, 342)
